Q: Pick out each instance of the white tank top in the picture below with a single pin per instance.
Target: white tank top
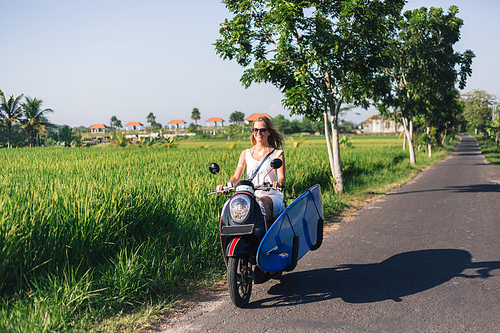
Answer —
(252, 165)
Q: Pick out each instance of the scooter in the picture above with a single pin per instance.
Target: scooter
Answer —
(254, 253)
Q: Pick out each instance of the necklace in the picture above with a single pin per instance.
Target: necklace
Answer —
(261, 152)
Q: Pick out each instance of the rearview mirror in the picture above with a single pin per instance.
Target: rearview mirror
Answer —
(214, 168)
(276, 163)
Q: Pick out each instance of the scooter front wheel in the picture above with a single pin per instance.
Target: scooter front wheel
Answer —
(239, 280)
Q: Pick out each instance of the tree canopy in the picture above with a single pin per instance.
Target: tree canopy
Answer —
(10, 112)
(478, 109)
(34, 120)
(425, 69)
(115, 122)
(320, 54)
(195, 115)
(237, 117)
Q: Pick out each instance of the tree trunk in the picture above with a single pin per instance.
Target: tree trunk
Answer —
(404, 141)
(429, 145)
(337, 163)
(8, 135)
(408, 126)
(329, 143)
(443, 142)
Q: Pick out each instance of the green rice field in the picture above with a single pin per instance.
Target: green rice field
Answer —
(89, 234)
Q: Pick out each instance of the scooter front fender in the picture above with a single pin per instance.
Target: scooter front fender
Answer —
(238, 246)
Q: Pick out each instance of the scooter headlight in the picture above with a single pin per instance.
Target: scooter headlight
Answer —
(239, 208)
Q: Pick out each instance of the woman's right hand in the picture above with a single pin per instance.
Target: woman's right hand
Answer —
(227, 187)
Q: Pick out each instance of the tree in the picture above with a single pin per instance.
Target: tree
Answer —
(151, 119)
(237, 117)
(494, 128)
(308, 125)
(10, 112)
(450, 118)
(195, 115)
(66, 135)
(444, 114)
(320, 54)
(34, 120)
(478, 108)
(115, 122)
(156, 126)
(423, 72)
(282, 124)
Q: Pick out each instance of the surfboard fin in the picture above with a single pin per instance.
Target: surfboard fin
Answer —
(319, 235)
(295, 254)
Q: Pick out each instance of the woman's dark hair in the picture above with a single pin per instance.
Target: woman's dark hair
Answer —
(275, 138)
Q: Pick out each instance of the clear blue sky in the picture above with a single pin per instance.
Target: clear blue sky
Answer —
(90, 60)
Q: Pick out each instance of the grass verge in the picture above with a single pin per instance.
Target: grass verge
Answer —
(489, 149)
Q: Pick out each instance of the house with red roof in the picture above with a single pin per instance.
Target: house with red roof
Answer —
(177, 123)
(214, 120)
(254, 116)
(134, 126)
(99, 128)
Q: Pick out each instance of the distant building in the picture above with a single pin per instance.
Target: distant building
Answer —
(99, 128)
(214, 120)
(254, 116)
(134, 126)
(378, 124)
(177, 123)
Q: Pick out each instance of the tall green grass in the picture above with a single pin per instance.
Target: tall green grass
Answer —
(489, 149)
(86, 233)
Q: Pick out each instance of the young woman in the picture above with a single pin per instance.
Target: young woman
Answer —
(266, 144)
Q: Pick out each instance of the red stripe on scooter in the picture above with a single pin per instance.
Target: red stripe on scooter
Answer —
(232, 247)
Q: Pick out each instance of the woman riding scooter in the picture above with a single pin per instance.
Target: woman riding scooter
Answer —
(259, 237)
(266, 146)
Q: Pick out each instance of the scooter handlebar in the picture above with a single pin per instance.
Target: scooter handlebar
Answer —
(264, 187)
(267, 187)
(225, 190)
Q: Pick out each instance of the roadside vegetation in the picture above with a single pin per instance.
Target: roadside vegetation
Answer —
(489, 149)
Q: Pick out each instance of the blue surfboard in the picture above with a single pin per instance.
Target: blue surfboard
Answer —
(299, 219)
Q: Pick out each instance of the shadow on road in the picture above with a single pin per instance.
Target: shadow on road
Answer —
(398, 276)
(475, 188)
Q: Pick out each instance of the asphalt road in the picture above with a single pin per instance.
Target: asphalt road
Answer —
(426, 258)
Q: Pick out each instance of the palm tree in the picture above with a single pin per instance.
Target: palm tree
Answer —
(10, 112)
(34, 121)
(195, 115)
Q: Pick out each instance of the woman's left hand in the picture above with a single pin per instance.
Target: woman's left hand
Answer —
(278, 185)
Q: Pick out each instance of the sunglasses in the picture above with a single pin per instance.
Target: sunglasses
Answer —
(261, 130)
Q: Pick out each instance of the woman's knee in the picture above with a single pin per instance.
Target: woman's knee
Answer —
(268, 205)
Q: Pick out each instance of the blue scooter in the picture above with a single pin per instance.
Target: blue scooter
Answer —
(254, 253)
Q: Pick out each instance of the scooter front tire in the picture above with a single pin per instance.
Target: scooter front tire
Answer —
(239, 280)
